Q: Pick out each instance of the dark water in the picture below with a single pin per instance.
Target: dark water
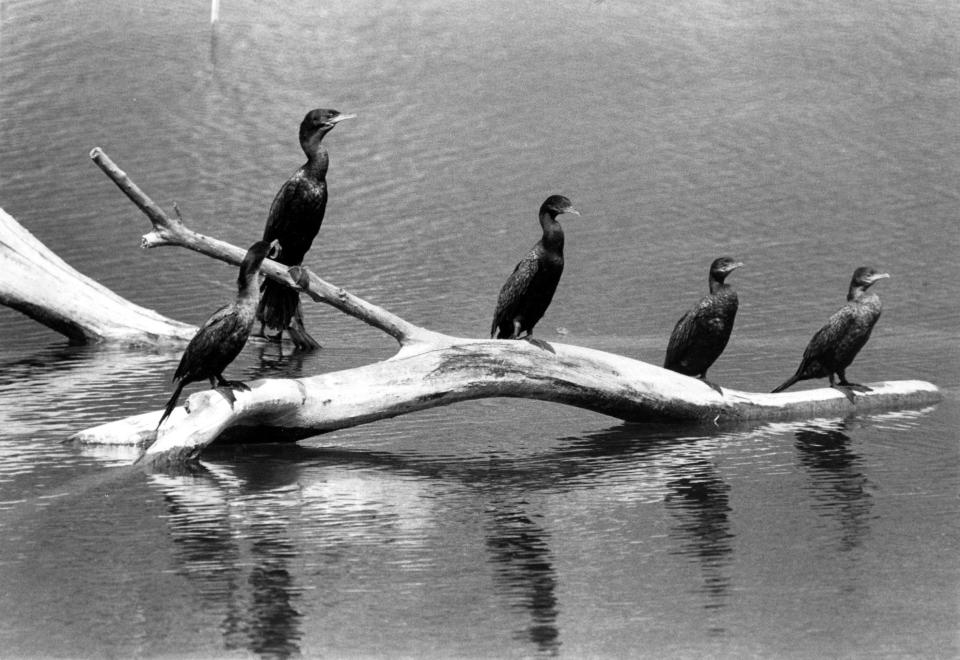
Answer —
(804, 138)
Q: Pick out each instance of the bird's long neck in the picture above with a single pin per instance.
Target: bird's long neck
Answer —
(856, 293)
(318, 160)
(248, 291)
(717, 284)
(552, 232)
(860, 296)
(317, 157)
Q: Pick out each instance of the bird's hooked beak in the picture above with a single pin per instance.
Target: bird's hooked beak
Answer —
(732, 267)
(274, 250)
(572, 210)
(879, 276)
(338, 118)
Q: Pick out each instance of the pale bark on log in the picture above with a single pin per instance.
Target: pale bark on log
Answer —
(464, 369)
(38, 283)
(433, 369)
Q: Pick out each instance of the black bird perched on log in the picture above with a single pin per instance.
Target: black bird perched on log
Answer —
(833, 347)
(295, 218)
(528, 291)
(222, 336)
(701, 334)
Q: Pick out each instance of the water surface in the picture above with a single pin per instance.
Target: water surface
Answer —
(803, 138)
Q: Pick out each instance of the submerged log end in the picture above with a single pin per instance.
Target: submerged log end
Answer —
(207, 414)
(138, 430)
(827, 401)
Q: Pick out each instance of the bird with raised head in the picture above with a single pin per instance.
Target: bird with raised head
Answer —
(527, 293)
(295, 218)
(701, 334)
(222, 336)
(833, 347)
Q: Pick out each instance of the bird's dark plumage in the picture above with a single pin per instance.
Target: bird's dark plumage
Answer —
(701, 334)
(833, 347)
(222, 336)
(295, 218)
(528, 291)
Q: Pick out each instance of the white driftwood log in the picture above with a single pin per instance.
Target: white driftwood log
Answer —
(433, 369)
(456, 369)
(37, 282)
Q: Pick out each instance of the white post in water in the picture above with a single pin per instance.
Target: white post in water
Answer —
(214, 11)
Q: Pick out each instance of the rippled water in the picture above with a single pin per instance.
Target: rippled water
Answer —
(804, 138)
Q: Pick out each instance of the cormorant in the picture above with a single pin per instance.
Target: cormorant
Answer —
(222, 336)
(833, 347)
(526, 294)
(295, 218)
(701, 334)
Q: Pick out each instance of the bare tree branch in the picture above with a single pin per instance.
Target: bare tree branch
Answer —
(433, 369)
(170, 231)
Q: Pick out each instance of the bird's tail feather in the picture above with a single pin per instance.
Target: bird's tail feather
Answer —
(301, 338)
(787, 383)
(172, 403)
(278, 304)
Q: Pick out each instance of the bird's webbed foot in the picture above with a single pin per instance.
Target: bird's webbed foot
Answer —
(857, 387)
(846, 383)
(227, 391)
(541, 344)
(302, 341)
(226, 387)
(264, 334)
(845, 389)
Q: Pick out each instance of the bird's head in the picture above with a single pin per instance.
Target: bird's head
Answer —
(254, 258)
(865, 276)
(557, 205)
(723, 266)
(319, 122)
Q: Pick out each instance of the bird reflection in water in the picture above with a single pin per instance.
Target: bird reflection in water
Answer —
(700, 500)
(245, 553)
(243, 571)
(520, 551)
(274, 626)
(272, 362)
(838, 487)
